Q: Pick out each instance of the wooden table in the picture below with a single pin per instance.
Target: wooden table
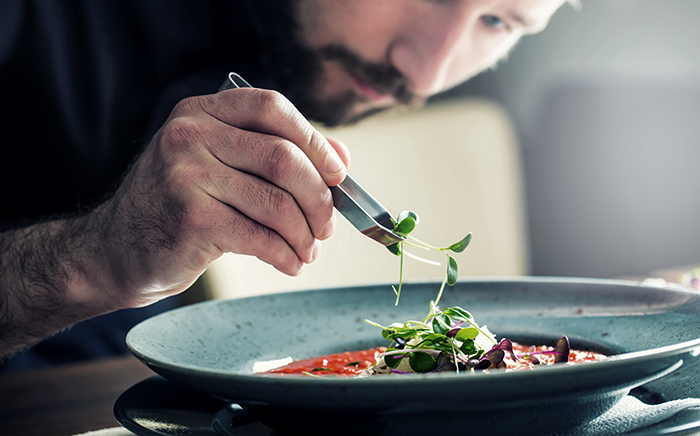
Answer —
(66, 400)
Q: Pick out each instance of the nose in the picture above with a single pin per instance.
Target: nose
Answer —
(424, 52)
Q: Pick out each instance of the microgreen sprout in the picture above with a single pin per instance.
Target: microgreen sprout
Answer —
(450, 340)
(444, 340)
(404, 225)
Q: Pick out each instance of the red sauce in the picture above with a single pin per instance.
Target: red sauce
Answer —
(352, 363)
(575, 357)
(346, 363)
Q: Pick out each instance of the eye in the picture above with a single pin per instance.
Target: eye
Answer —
(493, 21)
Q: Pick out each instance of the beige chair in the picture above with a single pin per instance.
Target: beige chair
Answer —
(456, 164)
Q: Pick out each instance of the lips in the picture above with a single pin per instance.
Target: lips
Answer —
(370, 93)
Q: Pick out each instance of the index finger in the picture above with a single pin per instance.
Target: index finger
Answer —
(270, 112)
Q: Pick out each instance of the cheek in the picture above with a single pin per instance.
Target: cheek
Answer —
(481, 51)
(336, 80)
(501, 47)
(364, 26)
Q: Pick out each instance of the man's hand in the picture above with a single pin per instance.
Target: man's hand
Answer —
(239, 171)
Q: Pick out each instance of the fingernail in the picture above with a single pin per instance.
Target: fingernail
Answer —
(316, 250)
(334, 164)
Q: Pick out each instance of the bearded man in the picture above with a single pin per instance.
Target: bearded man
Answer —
(125, 177)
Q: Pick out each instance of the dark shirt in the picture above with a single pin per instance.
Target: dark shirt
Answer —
(83, 87)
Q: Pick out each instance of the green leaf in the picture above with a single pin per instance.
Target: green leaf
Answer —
(441, 324)
(443, 346)
(405, 226)
(466, 334)
(408, 213)
(421, 362)
(394, 248)
(452, 273)
(407, 334)
(443, 359)
(458, 313)
(393, 360)
(434, 338)
(459, 247)
(469, 348)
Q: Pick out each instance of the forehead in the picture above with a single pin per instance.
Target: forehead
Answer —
(534, 13)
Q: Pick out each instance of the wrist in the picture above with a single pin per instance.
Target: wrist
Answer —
(77, 271)
(97, 283)
(51, 280)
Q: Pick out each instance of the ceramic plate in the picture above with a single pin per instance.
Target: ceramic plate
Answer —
(213, 346)
(158, 407)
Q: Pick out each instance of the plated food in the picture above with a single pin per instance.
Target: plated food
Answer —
(447, 340)
(212, 347)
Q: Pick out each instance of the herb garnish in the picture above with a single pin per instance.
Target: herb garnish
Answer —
(403, 226)
(450, 340)
(445, 340)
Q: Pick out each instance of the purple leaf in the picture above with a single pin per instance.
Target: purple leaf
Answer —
(562, 350)
(452, 332)
(444, 363)
(507, 346)
(483, 364)
(473, 363)
(494, 357)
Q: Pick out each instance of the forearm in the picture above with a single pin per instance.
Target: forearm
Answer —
(236, 181)
(50, 279)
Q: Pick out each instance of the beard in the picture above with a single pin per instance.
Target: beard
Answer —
(297, 71)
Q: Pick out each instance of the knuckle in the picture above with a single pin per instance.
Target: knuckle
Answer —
(323, 213)
(315, 142)
(326, 203)
(261, 242)
(186, 106)
(283, 163)
(271, 103)
(180, 132)
(255, 239)
(280, 201)
(252, 236)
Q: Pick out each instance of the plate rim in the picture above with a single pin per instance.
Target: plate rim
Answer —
(651, 353)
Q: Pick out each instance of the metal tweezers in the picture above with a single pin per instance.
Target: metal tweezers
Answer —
(356, 204)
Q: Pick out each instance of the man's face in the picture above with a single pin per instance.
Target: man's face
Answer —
(359, 57)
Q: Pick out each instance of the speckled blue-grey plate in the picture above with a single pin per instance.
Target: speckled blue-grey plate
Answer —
(213, 346)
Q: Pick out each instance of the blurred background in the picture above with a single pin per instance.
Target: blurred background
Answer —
(606, 104)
